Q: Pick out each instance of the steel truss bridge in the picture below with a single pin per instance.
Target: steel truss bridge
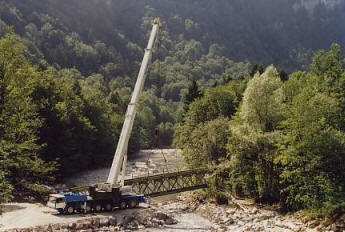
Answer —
(168, 183)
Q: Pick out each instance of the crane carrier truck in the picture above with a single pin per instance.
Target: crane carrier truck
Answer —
(110, 195)
(94, 201)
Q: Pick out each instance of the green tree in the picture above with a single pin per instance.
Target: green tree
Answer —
(204, 145)
(261, 105)
(252, 146)
(217, 102)
(312, 145)
(6, 188)
(328, 64)
(192, 94)
(24, 170)
(203, 134)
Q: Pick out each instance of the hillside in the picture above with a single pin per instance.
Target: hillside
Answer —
(264, 31)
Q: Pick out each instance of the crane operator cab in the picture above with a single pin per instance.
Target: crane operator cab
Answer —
(56, 201)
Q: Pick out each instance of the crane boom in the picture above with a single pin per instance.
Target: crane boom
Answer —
(120, 157)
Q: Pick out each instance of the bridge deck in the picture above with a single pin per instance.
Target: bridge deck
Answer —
(168, 183)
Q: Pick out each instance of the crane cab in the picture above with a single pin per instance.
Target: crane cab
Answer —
(56, 201)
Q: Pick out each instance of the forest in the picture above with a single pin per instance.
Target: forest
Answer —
(274, 140)
(247, 80)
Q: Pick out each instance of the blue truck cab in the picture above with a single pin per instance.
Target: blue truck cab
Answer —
(94, 201)
(68, 203)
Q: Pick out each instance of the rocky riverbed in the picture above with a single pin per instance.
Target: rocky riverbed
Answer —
(183, 213)
(245, 216)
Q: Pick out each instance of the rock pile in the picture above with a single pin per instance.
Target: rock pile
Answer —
(90, 224)
(241, 216)
(234, 219)
(138, 220)
(150, 219)
(229, 218)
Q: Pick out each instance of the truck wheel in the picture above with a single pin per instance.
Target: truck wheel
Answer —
(70, 210)
(123, 205)
(133, 204)
(87, 209)
(108, 207)
(98, 208)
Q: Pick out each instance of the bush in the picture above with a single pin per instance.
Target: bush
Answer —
(205, 144)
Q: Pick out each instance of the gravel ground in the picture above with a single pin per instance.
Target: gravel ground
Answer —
(24, 215)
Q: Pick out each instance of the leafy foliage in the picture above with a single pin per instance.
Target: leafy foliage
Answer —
(313, 142)
(286, 141)
(203, 136)
(50, 119)
(206, 143)
(252, 142)
(19, 146)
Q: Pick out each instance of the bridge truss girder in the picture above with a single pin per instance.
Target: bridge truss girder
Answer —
(168, 183)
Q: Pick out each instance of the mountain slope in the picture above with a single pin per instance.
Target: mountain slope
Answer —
(264, 31)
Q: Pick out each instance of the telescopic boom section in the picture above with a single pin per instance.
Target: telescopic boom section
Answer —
(120, 157)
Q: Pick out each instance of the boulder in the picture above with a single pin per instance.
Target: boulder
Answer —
(96, 222)
(72, 226)
(79, 225)
(87, 224)
(104, 222)
(161, 216)
(113, 221)
(170, 221)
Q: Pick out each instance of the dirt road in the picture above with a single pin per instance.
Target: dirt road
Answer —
(24, 215)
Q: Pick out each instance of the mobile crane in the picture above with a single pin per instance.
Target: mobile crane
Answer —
(110, 195)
